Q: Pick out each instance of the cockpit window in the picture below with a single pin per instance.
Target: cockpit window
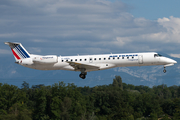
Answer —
(157, 55)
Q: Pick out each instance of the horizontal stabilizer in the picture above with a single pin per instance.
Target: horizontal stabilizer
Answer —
(10, 43)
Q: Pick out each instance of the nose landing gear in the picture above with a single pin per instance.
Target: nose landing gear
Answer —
(164, 70)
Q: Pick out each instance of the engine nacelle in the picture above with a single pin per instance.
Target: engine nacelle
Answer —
(50, 59)
(27, 61)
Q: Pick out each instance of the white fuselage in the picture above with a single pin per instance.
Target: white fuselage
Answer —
(101, 62)
(86, 63)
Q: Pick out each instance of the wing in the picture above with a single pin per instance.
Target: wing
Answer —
(80, 66)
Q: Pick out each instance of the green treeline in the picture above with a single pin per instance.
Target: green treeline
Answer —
(116, 101)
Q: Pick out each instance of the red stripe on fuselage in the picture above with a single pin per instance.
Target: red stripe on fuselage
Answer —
(15, 54)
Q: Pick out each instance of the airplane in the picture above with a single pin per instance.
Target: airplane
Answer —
(86, 63)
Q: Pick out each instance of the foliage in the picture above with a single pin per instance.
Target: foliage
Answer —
(108, 102)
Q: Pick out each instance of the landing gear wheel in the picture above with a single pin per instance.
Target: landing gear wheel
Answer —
(83, 76)
(164, 69)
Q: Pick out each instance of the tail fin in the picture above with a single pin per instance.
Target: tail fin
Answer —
(18, 51)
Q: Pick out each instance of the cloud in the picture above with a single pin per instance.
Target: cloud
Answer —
(172, 26)
(3, 51)
(175, 55)
(8, 35)
(84, 27)
(39, 40)
(34, 50)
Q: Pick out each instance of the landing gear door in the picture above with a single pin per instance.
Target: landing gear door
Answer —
(140, 59)
(90, 60)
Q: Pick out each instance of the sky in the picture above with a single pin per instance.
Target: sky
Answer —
(71, 27)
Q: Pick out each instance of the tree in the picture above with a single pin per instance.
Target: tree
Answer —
(65, 106)
(117, 82)
(178, 92)
(153, 116)
(168, 107)
(165, 117)
(176, 115)
(8, 96)
(41, 102)
(25, 85)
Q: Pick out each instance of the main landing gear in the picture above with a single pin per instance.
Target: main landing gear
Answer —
(83, 75)
(164, 70)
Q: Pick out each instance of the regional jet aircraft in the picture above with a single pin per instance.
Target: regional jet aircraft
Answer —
(86, 63)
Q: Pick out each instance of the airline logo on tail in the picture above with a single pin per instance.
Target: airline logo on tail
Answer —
(18, 51)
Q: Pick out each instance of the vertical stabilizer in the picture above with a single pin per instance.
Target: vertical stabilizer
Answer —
(18, 51)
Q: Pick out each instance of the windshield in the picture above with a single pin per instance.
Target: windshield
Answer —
(157, 55)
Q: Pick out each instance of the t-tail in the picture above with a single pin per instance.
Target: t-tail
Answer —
(22, 56)
(20, 53)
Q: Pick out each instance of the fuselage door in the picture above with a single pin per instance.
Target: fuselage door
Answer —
(140, 59)
(90, 60)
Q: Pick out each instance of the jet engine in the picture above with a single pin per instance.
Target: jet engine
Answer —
(27, 61)
(50, 59)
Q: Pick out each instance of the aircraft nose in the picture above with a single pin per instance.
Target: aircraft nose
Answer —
(172, 61)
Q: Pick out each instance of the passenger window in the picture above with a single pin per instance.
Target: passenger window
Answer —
(104, 58)
(99, 58)
(80, 59)
(132, 57)
(71, 60)
(84, 59)
(62, 60)
(109, 58)
(117, 57)
(127, 57)
(66, 60)
(113, 58)
(122, 57)
(94, 58)
(75, 59)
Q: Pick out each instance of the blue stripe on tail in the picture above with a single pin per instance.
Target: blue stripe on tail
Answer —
(20, 50)
(20, 53)
(23, 53)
